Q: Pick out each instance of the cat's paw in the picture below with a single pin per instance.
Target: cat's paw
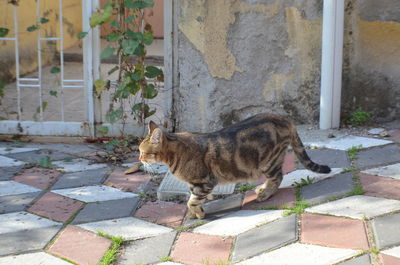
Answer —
(210, 197)
(200, 215)
(191, 215)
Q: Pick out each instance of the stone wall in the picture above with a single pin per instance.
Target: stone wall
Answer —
(241, 57)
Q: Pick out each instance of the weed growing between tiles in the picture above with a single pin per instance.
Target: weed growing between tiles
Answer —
(111, 255)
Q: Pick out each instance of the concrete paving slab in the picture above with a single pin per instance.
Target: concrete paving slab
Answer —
(136, 182)
(171, 186)
(63, 147)
(301, 254)
(16, 203)
(38, 177)
(95, 193)
(36, 156)
(9, 162)
(357, 207)
(13, 188)
(264, 238)
(282, 197)
(329, 157)
(361, 260)
(27, 240)
(22, 221)
(378, 156)
(290, 179)
(347, 142)
(333, 231)
(390, 171)
(14, 150)
(156, 168)
(384, 228)
(56, 207)
(148, 250)
(233, 202)
(7, 173)
(163, 213)
(309, 135)
(76, 165)
(380, 186)
(105, 210)
(395, 252)
(129, 228)
(169, 263)
(326, 189)
(82, 178)
(238, 222)
(38, 258)
(79, 246)
(208, 249)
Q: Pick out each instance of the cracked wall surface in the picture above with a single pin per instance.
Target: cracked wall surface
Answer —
(242, 57)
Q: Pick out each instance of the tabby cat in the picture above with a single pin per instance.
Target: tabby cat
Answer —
(240, 152)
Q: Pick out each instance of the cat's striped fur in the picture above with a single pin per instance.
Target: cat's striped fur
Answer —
(243, 151)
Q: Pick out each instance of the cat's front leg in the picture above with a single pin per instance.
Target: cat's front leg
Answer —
(199, 193)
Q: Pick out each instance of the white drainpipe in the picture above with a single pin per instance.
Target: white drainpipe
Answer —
(331, 68)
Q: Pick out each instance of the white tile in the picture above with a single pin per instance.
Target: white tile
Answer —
(12, 150)
(14, 188)
(129, 228)
(391, 171)
(357, 207)
(39, 258)
(169, 263)
(14, 222)
(296, 176)
(9, 162)
(302, 254)
(346, 142)
(395, 252)
(238, 222)
(95, 193)
(76, 165)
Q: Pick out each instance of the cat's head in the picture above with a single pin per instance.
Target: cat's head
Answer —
(150, 148)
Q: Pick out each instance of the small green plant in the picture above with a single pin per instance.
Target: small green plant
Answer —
(358, 190)
(68, 159)
(142, 195)
(45, 162)
(352, 152)
(165, 259)
(304, 182)
(359, 117)
(8, 149)
(268, 208)
(375, 251)
(245, 187)
(219, 262)
(189, 227)
(111, 255)
(350, 169)
(299, 207)
(19, 144)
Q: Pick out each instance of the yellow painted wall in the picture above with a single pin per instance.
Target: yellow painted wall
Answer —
(26, 13)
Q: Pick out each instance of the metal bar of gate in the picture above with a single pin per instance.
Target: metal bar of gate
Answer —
(60, 16)
(17, 63)
(39, 47)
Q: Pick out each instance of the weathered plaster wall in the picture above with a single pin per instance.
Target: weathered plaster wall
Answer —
(241, 57)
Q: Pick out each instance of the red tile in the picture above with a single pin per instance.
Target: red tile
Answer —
(80, 246)
(289, 164)
(193, 248)
(41, 178)
(132, 182)
(283, 197)
(163, 213)
(394, 133)
(388, 260)
(56, 207)
(333, 231)
(380, 186)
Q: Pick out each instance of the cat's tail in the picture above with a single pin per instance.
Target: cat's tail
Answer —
(302, 155)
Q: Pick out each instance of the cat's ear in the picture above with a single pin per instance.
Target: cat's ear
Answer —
(156, 136)
(152, 126)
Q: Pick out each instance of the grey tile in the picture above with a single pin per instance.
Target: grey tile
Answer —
(6, 173)
(82, 178)
(336, 186)
(35, 156)
(329, 157)
(105, 210)
(233, 202)
(361, 260)
(377, 156)
(266, 237)
(147, 251)
(384, 228)
(16, 203)
(27, 240)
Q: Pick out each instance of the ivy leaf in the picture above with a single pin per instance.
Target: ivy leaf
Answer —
(130, 18)
(149, 91)
(102, 16)
(53, 93)
(107, 52)
(129, 46)
(152, 71)
(55, 70)
(133, 4)
(138, 36)
(113, 115)
(100, 85)
(114, 24)
(4, 32)
(44, 20)
(115, 68)
(139, 50)
(113, 37)
(103, 130)
(81, 35)
(148, 38)
(32, 28)
(149, 3)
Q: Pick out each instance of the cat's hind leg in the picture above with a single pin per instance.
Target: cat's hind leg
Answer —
(271, 185)
(199, 193)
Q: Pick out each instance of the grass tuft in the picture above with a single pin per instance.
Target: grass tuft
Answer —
(299, 207)
(245, 187)
(111, 255)
(353, 152)
(165, 259)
